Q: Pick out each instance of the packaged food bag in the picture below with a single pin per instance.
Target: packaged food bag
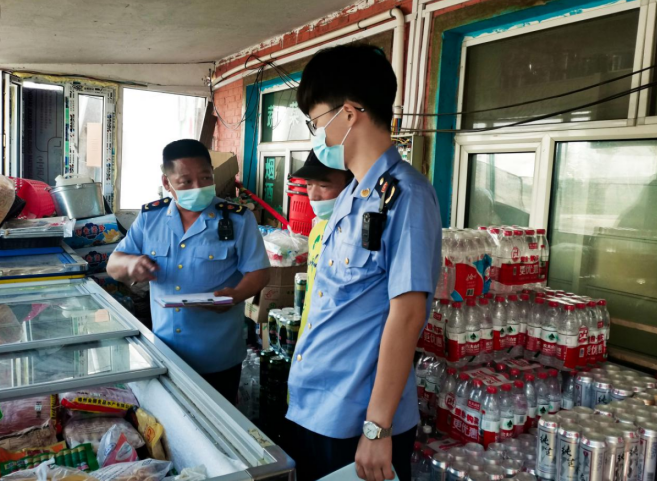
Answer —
(25, 414)
(152, 432)
(110, 400)
(114, 448)
(50, 472)
(91, 431)
(147, 470)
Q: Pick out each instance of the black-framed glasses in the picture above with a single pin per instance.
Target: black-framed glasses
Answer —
(311, 122)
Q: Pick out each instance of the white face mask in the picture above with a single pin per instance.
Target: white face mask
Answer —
(332, 157)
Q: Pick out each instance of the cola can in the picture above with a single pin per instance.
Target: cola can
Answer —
(648, 452)
(511, 467)
(653, 392)
(591, 457)
(614, 455)
(631, 461)
(604, 410)
(601, 392)
(439, 465)
(621, 391)
(624, 418)
(584, 390)
(568, 416)
(457, 472)
(641, 419)
(546, 464)
(632, 401)
(569, 435)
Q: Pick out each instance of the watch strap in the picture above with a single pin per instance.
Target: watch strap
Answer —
(385, 433)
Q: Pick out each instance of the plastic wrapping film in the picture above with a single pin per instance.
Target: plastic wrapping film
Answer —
(186, 445)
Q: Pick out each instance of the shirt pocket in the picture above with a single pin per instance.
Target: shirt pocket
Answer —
(355, 268)
(211, 262)
(160, 254)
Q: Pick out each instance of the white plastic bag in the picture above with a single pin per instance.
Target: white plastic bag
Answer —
(147, 470)
(114, 448)
(286, 249)
(199, 473)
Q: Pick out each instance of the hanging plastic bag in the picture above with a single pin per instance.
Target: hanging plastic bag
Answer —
(286, 249)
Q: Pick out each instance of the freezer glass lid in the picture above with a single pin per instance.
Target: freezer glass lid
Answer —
(38, 319)
(60, 369)
(11, 292)
(35, 264)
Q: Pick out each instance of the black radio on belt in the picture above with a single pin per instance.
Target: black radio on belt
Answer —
(226, 227)
(375, 222)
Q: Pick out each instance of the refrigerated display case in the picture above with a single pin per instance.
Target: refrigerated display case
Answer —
(60, 336)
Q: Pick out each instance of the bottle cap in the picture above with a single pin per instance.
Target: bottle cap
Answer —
(602, 302)
(569, 307)
(540, 231)
(580, 305)
(515, 371)
(417, 446)
(499, 298)
(530, 232)
(553, 304)
(491, 390)
(499, 367)
(464, 377)
(539, 300)
(506, 387)
(456, 305)
(483, 301)
(451, 370)
(489, 295)
(444, 302)
(508, 233)
(494, 231)
(471, 301)
(519, 384)
(524, 297)
(426, 429)
(518, 232)
(553, 372)
(540, 294)
(529, 377)
(513, 298)
(542, 375)
(428, 452)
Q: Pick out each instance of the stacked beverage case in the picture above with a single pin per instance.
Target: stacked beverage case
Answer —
(503, 356)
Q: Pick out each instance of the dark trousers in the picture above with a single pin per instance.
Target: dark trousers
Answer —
(317, 456)
(226, 382)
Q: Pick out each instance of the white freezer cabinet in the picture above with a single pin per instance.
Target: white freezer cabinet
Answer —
(60, 336)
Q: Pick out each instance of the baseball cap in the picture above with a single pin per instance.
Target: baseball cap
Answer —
(315, 170)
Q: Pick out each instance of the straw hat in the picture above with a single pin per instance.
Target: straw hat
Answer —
(7, 196)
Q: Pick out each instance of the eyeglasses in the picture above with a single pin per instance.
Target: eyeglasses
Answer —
(311, 123)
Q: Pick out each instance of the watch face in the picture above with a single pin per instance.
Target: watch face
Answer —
(370, 430)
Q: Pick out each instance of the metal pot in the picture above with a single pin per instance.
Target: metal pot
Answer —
(79, 200)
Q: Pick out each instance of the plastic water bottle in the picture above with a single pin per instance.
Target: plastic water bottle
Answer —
(507, 410)
(434, 374)
(554, 390)
(524, 313)
(509, 256)
(255, 386)
(519, 254)
(456, 336)
(424, 470)
(421, 371)
(567, 354)
(543, 257)
(594, 326)
(532, 258)
(513, 347)
(490, 417)
(245, 401)
(446, 401)
(499, 328)
(603, 336)
(549, 334)
(532, 401)
(542, 395)
(472, 316)
(473, 412)
(583, 335)
(520, 408)
(568, 392)
(462, 396)
(486, 324)
(447, 278)
(416, 460)
(534, 334)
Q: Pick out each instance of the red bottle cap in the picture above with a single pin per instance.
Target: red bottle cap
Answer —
(592, 304)
(553, 304)
(451, 371)
(483, 301)
(506, 387)
(456, 305)
(428, 452)
(471, 301)
(540, 231)
(444, 302)
(417, 446)
(519, 384)
(539, 294)
(515, 371)
(478, 383)
(529, 377)
(553, 373)
(542, 375)
(569, 307)
(513, 298)
(489, 295)
(602, 302)
(530, 232)
(508, 233)
(524, 297)
(499, 298)
(500, 367)
(580, 305)
(539, 300)
(491, 390)
(464, 377)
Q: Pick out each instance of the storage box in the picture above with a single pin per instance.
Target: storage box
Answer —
(271, 297)
(225, 169)
(95, 231)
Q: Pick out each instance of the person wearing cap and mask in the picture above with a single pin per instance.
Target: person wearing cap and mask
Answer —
(324, 187)
(194, 243)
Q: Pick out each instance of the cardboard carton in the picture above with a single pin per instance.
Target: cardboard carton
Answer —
(225, 169)
(277, 294)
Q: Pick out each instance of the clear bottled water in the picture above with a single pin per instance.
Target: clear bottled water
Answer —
(513, 346)
(520, 408)
(554, 391)
(499, 328)
(532, 401)
(490, 417)
(542, 395)
(568, 391)
(507, 410)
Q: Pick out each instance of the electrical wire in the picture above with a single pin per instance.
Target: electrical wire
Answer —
(537, 118)
(529, 102)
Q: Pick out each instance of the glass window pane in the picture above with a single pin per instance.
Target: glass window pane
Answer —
(500, 189)
(603, 230)
(282, 119)
(151, 120)
(91, 113)
(273, 186)
(550, 62)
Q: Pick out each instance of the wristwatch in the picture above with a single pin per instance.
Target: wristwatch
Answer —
(373, 431)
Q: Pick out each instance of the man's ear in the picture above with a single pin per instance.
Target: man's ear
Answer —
(165, 183)
(352, 113)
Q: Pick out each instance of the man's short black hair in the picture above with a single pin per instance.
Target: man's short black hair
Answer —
(359, 73)
(181, 149)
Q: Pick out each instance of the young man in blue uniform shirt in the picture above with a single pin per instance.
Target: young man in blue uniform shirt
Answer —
(352, 388)
(177, 244)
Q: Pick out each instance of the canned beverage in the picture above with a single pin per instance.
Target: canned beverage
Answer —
(641, 419)
(272, 324)
(439, 465)
(620, 410)
(546, 464)
(631, 460)
(591, 457)
(646, 398)
(567, 416)
(477, 476)
(456, 472)
(458, 455)
(604, 421)
(300, 281)
(604, 410)
(625, 418)
(473, 449)
(601, 392)
(584, 390)
(492, 457)
(632, 401)
(497, 447)
(611, 367)
(584, 414)
(621, 391)
(632, 374)
(648, 382)
(653, 392)
(494, 472)
(597, 370)
(476, 465)
(524, 477)
(614, 455)
(648, 452)
(568, 438)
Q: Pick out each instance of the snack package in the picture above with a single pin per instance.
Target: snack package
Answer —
(111, 400)
(36, 437)
(50, 472)
(114, 449)
(92, 431)
(152, 432)
(147, 470)
(81, 458)
(55, 448)
(25, 414)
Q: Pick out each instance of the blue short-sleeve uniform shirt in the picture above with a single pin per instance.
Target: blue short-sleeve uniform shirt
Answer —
(335, 363)
(193, 262)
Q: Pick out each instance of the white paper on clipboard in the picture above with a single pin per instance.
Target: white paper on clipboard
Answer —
(191, 300)
(348, 473)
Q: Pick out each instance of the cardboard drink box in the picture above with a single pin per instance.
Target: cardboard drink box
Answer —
(277, 294)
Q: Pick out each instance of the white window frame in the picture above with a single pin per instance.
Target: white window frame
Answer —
(637, 107)
(276, 149)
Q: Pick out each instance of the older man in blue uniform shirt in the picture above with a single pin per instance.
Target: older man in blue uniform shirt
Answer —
(352, 388)
(179, 247)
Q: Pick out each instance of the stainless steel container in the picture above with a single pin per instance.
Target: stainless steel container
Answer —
(78, 201)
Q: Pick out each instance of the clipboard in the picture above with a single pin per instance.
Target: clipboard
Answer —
(194, 300)
(348, 473)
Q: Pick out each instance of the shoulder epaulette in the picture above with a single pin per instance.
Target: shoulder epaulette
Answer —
(387, 185)
(231, 208)
(155, 205)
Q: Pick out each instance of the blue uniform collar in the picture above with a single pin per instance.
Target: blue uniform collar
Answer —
(175, 222)
(384, 163)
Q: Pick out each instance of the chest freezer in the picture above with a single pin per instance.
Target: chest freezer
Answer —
(66, 335)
